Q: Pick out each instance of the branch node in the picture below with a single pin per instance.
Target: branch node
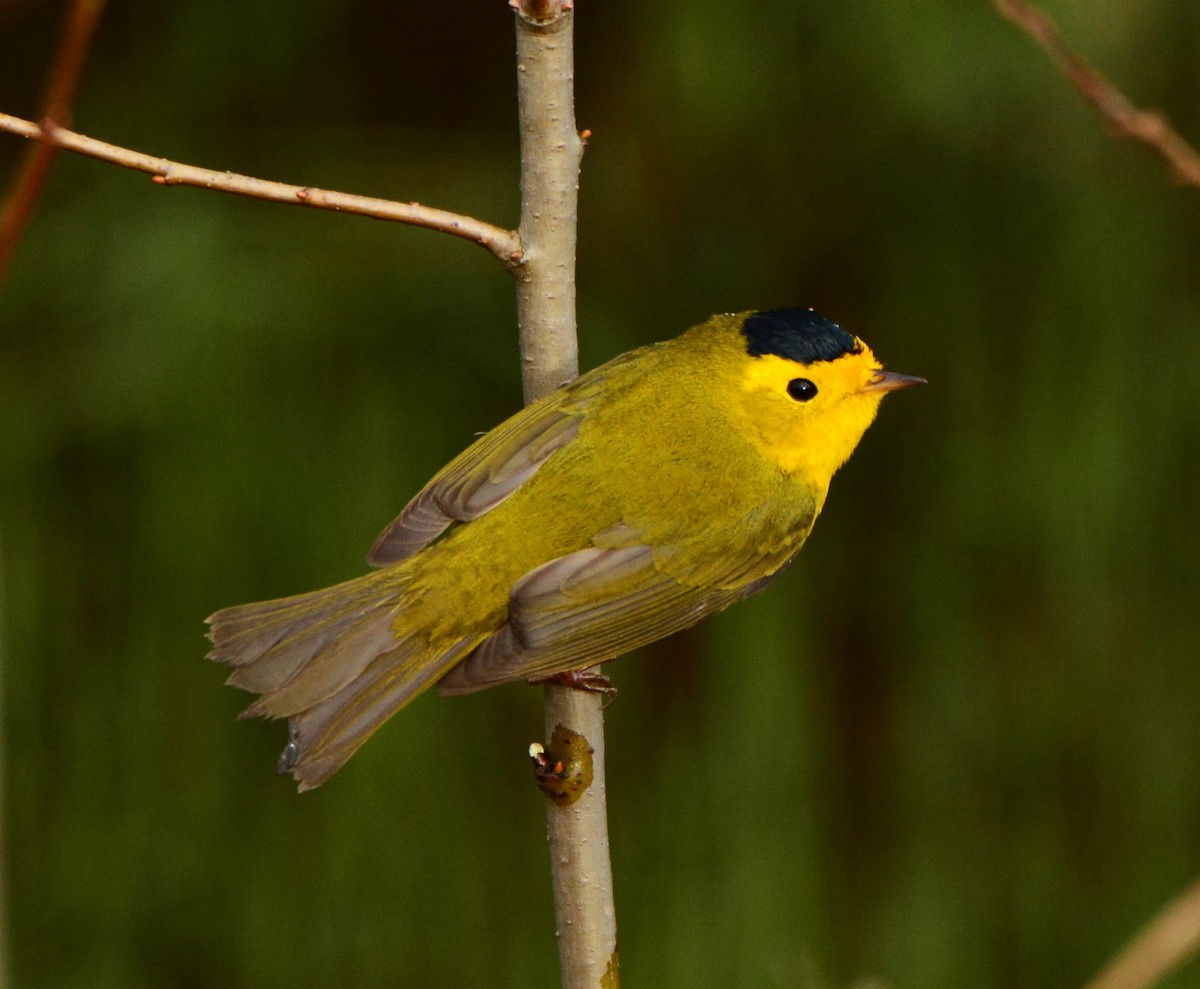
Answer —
(542, 16)
(565, 770)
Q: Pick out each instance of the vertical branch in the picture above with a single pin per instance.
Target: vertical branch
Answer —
(551, 150)
(580, 866)
(550, 154)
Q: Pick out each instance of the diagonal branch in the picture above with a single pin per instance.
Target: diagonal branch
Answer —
(61, 82)
(1128, 120)
(1165, 943)
(504, 244)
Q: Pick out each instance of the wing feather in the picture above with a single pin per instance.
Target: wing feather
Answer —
(494, 466)
(594, 604)
(478, 480)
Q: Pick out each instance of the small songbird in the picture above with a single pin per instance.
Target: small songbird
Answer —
(629, 504)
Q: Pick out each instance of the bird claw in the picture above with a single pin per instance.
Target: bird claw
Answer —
(589, 681)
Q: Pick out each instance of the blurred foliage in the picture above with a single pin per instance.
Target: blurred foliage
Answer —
(957, 746)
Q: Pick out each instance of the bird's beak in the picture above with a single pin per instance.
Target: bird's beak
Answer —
(891, 381)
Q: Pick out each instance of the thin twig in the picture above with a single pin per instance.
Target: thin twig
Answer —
(504, 244)
(551, 150)
(61, 82)
(1164, 944)
(1126, 119)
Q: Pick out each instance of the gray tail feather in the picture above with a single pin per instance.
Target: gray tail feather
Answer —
(323, 737)
(332, 662)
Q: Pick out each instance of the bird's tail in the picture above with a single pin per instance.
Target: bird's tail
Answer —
(336, 663)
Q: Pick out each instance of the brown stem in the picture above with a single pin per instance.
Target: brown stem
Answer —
(551, 150)
(504, 244)
(61, 82)
(1126, 119)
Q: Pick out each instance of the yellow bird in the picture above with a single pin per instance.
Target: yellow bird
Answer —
(655, 490)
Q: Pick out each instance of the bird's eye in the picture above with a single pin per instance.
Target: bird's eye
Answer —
(802, 390)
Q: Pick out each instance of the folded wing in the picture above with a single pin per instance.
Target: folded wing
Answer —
(594, 604)
(477, 481)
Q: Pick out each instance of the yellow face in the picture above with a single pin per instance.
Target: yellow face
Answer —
(808, 418)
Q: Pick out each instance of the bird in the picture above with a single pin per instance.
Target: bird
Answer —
(630, 503)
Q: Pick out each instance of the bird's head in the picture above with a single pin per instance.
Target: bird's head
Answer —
(809, 390)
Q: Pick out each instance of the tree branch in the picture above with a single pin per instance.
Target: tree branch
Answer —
(1162, 945)
(504, 244)
(551, 150)
(1126, 119)
(61, 82)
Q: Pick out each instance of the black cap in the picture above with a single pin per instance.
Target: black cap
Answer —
(797, 334)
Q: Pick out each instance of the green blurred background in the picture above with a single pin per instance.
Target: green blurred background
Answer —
(957, 746)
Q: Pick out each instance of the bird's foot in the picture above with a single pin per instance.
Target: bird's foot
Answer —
(588, 681)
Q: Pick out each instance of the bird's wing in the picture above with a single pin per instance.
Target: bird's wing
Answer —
(477, 480)
(494, 466)
(594, 604)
